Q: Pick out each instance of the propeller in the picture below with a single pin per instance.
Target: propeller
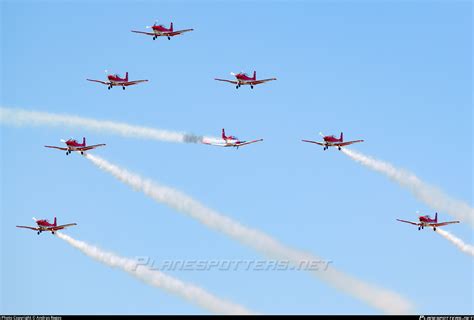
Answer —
(418, 213)
(63, 141)
(148, 27)
(321, 134)
(34, 219)
(232, 74)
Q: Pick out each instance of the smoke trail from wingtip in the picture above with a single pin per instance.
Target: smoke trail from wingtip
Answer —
(158, 279)
(21, 117)
(464, 247)
(382, 299)
(431, 195)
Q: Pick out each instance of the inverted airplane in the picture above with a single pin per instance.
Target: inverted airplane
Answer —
(45, 226)
(332, 141)
(242, 79)
(230, 141)
(116, 81)
(427, 221)
(73, 145)
(162, 31)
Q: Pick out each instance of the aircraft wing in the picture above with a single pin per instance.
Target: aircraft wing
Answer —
(178, 32)
(131, 83)
(347, 143)
(147, 33)
(230, 81)
(64, 226)
(262, 81)
(410, 222)
(443, 223)
(60, 148)
(316, 142)
(99, 81)
(247, 142)
(90, 147)
(25, 227)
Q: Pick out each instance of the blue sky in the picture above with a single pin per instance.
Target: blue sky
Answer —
(397, 74)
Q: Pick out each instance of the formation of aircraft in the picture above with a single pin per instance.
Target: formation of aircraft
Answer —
(114, 80)
(158, 30)
(332, 141)
(427, 221)
(229, 141)
(45, 226)
(73, 145)
(242, 79)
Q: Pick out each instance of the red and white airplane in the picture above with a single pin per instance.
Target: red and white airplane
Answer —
(116, 81)
(332, 141)
(245, 79)
(73, 145)
(229, 141)
(426, 221)
(45, 225)
(162, 31)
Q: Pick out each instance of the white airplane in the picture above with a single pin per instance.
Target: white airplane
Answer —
(229, 141)
(162, 31)
(114, 80)
(242, 79)
(427, 221)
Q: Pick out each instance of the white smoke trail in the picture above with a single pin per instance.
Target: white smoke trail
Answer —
(387, 301)
(21, 117)
(431, 195)
(464, 247)
(158, 279)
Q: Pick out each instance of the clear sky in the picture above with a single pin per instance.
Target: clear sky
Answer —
(395, 73)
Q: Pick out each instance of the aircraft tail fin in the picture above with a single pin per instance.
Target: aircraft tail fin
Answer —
(223, 134)
(436, 217)
(342, 137)
(126, 76)
(54, 223)
(171, 26)
(255, 75)
(84, 141)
